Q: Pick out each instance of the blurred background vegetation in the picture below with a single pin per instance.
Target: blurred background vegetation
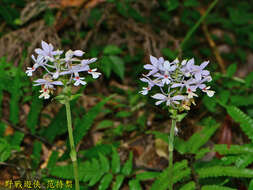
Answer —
(122, 34)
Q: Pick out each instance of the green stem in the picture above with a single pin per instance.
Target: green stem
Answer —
(72, 145)
(171, 146)
(194, 28)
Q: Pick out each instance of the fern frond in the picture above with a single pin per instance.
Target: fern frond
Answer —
(240, 100)
(189, 186)
(85, 123)
(243, 161)
(200, 138)
(216, 187)
(180, 171)
(202, 152)
(246, 123)
(233, 149)
(33, 116)
(229, 171)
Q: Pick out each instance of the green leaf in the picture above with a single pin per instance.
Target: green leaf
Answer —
(117, 66)
(191, 3)
(224, 96)
(134, 184)
(37, 148)
(231, 69)
(105, 124)
(56, 126)
(197, 140)
(33, 116)
(106, 66)
(105, 182)
(16, 94)
(122, 114)
(85, 123)
(180, 170)
(189, 186)
(240, 100)
(118, 182)
(112, 50)
(52, 160)
(251, 184)
(172, 4)
(5, 150)
(147, 175)
(249, 79)
(115, 161)
(128, 166)
(105, 165)
(246, 123)
(17, 139)
(216, 187)
(169, 53)
(228, 171)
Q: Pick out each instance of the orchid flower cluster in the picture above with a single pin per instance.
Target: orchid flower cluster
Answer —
(70, 65)
(180, 79)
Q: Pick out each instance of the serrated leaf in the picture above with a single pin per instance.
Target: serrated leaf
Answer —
(17, 139)
(105, 165)
(240, 100)
(105, 182)
(118, 66)
(118, 182)
(37, 147)
(228, 171)
(115, 161)
(85, 123)
(189, 186)
(134, 184)
(33, 116)
(128, 166)
(52, 160)
(180, 170)
(246, 123)
(216, 187)
(5, 150)
(147, 175)
(200, 138)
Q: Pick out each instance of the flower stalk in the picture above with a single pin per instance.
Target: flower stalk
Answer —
(171, 148)
(73, 154)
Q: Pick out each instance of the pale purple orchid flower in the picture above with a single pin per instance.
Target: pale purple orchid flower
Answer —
(198, 70)
(47, 51)
(185, 83)
(154, 66)
(94, 74)
(167, 98)
(47, 83)
(79, 80)
(187, 67)
(69, 55)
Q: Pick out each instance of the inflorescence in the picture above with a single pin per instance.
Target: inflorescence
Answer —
(180, 79)
(60, 68)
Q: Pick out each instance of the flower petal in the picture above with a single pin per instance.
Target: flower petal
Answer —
(159, 96)
(153, 60)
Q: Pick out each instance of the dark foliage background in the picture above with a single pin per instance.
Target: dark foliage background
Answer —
(120, 135)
